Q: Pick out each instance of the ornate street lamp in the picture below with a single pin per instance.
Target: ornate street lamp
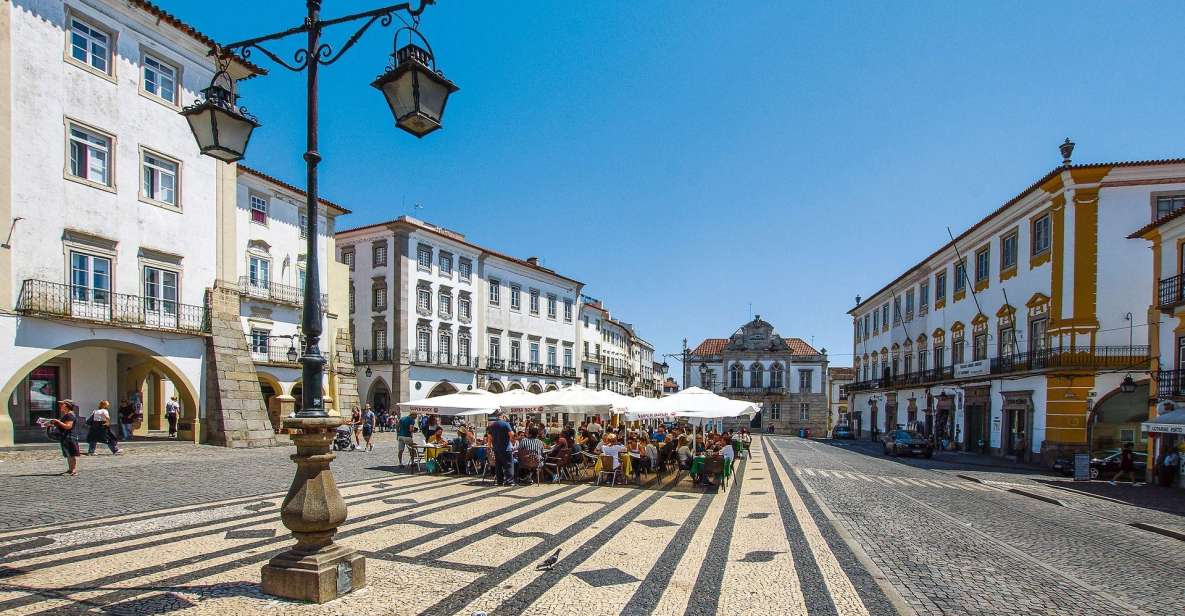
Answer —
(221, 128)
(317, 569)
(1128, 386)
(291, 351)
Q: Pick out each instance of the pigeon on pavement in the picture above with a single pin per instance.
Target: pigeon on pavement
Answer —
(550, 562)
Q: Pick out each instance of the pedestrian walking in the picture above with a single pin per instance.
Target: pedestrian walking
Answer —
(368, 421)
(63, 429)
(98, 430)
(172, 414)
(356, 423)
(407, 425)
(127, 413)
(499, 431)
(1127, 465)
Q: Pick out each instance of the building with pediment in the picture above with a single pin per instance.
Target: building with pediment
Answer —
(786, 375)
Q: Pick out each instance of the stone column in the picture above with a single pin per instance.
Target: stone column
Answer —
(315, 569)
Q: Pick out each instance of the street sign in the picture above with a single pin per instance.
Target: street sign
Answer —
(973, 368)
(1081, 467)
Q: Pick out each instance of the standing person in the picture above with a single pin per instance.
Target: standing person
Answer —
(1127, 465)
(126, 413)
(1169, 467)
(499, 431)
(407, 425)
(356, 423)
(368, 420)
(98, 430)
(381, 417)
(172, 414)
(65, 424)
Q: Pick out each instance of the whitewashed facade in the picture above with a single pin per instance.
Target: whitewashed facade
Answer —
(1017, 356)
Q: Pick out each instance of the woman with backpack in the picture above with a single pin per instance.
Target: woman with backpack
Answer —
(98, 430)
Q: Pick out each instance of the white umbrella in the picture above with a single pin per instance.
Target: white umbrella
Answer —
(518, 401)
(472, 402)
(649, 408)
(578, 399)
(703, 405)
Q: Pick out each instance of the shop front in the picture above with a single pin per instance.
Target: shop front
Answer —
(977, 412)
(1167, 433)
(1016, 425)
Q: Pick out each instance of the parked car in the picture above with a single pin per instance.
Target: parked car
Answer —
(1104, 464)
(897, 442)
(843, 432)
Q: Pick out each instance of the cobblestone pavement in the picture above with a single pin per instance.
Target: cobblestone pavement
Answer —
(955, 546)
(434, 544)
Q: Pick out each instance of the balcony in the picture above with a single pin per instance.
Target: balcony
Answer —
(1098, 358)
(1170, 384)
(443, 359)
(366, 356)
(535, 368)
(592, 357)
(553, 370)
(515, 365)
(56, 300)
(275, 293)
(1171, 293)
(570, 373)
(273, 354)
(495, 364)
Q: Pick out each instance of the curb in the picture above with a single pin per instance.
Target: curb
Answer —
(970, 478)
(1041, 497)
(1098, 496)
(1160, 530)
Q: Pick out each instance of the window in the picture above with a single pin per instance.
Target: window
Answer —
(424, 301)
(464, 269)
(885, 315)
(804, 411)
(551, 306)
(90, 45)
(348, 258)
(805, 380)
(259, 341)
(423, 343)
(445, 304)
(1007, 342)
(534, 301)
(351, 298)
(552, 359)
(516, 350)
(983, 263)
(495, 292)
(568, 311)
(756, 376)
(1008, 251)
(160, 178)
(160, 290)
(378, 254)
(939, 357)
(534, 356)
(303, 223)
(776, 376)
(736, 376)
(379, 336)
(960, 276)
(90, 155)
(866, 327)
(1168, 204)
(923, 356)
(424, 258)
(444, 346)
(90, 278)
(908, 364)
(446, 264)
(924, 296)
(259, 214)
(896, 310)
(909, 303)
(940, 286)
(160, 79)
(876, 320)
(516, 300)
(979, 346)
(1037, 338)
(463, 343)
(568, 357)
(378, 296)
(259, 272)
(775, 410)
(463, 309)
(1041, 235)
(957, 354)
(495, 347)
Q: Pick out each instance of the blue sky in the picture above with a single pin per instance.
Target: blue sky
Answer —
(688, 159)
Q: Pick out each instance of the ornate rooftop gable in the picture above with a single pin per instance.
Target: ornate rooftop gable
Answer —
(757, 335)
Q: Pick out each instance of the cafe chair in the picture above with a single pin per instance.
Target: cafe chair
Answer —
(607, 469)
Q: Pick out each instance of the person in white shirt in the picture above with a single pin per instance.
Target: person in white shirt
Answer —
(611, 448)
(172, 413)
(98, 430)
(727, 452)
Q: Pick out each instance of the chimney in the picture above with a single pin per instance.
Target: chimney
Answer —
(1067, 148)
(533, 260)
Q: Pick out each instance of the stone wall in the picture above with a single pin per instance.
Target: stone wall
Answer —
(347, 378)
(235, 414)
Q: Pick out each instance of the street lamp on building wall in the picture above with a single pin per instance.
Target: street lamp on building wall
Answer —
(317, 569)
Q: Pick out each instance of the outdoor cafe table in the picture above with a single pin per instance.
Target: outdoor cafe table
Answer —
(698, 462)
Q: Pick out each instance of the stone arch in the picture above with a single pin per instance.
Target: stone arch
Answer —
(551, 387)
(442, 388)
(297, 390)
(515, 385)
(535, 388)
(378, 392)
(186, 392)
(495, 387)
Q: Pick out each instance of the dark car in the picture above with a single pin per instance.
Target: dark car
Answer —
(843, 432)
(899, 442)
(1104, 464)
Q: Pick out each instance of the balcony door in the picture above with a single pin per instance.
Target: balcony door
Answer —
(160, 297)
(90, 286)
(1038, 343)
(259, 276)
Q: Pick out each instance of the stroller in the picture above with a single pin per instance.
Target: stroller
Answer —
(343, 439)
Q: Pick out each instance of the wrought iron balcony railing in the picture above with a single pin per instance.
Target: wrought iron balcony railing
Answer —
(1171, 292)
(366, 356)
(275, 292)
(1170, 384)
(52, 299)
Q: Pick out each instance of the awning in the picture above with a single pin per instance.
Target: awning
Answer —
(1170, 423)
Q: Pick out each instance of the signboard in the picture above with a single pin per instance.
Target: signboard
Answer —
(1164, 428)
(995, 438)
(1081, 467)
(973, 368)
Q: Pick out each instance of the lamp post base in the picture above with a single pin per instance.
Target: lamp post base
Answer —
(316, 569)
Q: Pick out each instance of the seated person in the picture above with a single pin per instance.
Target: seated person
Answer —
(683, 452)
(436, 437)
(609, 447)
(530, 452)
(651, 454)
(727, 452)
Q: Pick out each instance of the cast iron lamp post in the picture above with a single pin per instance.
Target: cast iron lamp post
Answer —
(317, 569)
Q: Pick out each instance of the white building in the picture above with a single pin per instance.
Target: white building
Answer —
(607, 349)
(837, 397)
(441, 314)
(1014, 338)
